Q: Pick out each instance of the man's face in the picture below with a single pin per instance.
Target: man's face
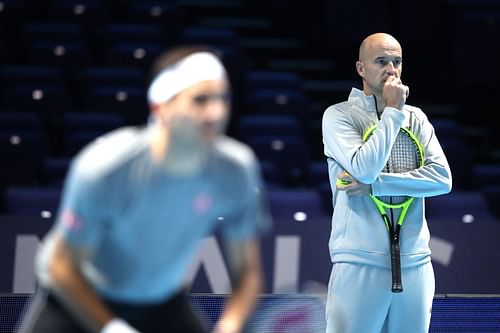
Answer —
(379, 60)
(201, 111)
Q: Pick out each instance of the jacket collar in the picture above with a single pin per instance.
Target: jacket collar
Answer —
(358, 98)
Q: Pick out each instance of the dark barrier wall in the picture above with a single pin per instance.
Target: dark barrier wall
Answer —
(466, 257)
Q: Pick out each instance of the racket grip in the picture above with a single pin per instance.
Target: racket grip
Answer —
(397, 284)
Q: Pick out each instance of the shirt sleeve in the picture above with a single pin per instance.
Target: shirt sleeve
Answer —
(80, 216)
(344, 143)
(434, 178)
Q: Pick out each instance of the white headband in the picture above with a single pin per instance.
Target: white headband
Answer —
(197, 67)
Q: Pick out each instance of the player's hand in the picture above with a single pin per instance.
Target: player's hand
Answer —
(226, 326)
(346, 182)
(395, 92)
(118, 325)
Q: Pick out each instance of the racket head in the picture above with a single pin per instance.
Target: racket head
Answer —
(407, 154)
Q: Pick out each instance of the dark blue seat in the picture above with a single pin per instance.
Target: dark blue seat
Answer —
(167, 15)
(460, 157)
(317, 172)
(13, 122)
(29, 74)
(78, 122)
(258, 80)
(325, 192)
(209, 36)
(485, 175)
(128, 101)
(74, 143)
(55, 31)
(22, 154)
(54, 170)
(130, 32)
(95, 76)
(31, 201)
(460, 206)
(70, 57)
(278, 101)
(446, 129)
(271, 175)
(128, 54)
(88, 13)
(251, 125)
(296, 204)
(492, 194)
(46, 100)
(288, 153)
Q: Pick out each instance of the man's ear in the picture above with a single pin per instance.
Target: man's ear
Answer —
(360, 68)
(159, 113)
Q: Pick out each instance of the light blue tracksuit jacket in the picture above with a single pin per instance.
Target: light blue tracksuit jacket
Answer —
(358, 233)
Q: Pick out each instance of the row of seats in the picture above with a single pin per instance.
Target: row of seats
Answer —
(294, 204)
(71, 70)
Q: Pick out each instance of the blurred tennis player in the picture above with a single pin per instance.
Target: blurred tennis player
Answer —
(136, 205)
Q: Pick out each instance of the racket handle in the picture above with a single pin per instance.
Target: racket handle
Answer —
(397, 284)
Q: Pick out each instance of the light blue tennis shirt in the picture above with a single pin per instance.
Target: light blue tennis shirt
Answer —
(142, 225)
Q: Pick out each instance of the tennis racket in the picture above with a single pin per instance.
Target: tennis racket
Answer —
(407, 154)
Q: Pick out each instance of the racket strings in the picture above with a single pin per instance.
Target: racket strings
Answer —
(404, 157)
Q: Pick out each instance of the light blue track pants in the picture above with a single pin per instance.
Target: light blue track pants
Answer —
(360, 300)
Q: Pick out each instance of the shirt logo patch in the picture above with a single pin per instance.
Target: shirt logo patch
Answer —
(71, 221)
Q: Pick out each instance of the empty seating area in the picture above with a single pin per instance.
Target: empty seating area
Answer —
(71, 70)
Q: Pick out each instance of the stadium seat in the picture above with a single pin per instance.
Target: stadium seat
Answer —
(78, 122)
(295, 204)
(54, 170)
(251, 125)
(95, 76)
(31, 201)
(486, 175)
(209, 36)
(464, 206)
(88, 13)
(128, 101)
(278, 101)
(22, 155)
(139, 55)
(13, 122)
(492, 194)
(317, 172)
(29, 74)
(70, 57)
(54, 31)
(289, 153)
(259, 80)
(46, 100)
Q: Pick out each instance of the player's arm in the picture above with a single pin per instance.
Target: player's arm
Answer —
(344, 143)
(244, 260)
(75, 293)
(433, 178)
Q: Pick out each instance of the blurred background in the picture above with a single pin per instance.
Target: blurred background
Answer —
(71, 70)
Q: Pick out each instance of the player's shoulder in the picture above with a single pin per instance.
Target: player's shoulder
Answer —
(234, 151)
(109, 151)
(415, 110)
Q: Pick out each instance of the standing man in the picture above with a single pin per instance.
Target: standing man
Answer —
(359, 297)
(137, 204)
